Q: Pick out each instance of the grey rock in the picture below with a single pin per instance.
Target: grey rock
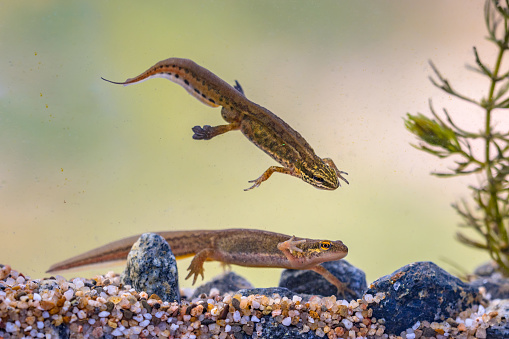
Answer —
(496, 285)
(309, 282)
(487, 269)
(151, 267)
(227, 282)
(48, 284)
(270, 291)
(420, 291)
(274, 330)
(488, 276)
(499, 331)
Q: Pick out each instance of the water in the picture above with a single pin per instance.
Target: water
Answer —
(84, 162)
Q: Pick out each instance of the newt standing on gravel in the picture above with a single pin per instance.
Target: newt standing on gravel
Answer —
(267, 131)
(243, 247)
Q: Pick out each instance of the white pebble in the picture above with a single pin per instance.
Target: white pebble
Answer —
(68, 294)
(78, 283)
(255, 304)
(287, 321)
(236, 316)
(112, 289)
(296, 298)
(137, 329)
(40, 325)
(148, 316)
(91, 321)
(10, 327)
(45, 314)
(37, 297)
(410, 336)
(416, 325)
(103, 314)
(159, 314)
(348, 324)
(227, 328)
(469, 322)
(144, 323)
(116, 332)
(369, 298)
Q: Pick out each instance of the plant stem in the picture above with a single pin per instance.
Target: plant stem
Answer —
(493, 200)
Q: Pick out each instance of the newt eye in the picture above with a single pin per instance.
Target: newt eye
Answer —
(318, 179)
(325, 245)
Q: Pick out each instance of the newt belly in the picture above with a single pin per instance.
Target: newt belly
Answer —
(243, 247)
(266, 130)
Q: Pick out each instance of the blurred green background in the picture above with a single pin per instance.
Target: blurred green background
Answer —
(84, 162)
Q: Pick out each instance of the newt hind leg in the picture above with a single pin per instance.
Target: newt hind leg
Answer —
(208, 132)
(238, 87)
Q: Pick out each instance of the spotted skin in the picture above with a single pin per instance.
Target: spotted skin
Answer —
(263, 128)
(243, 247)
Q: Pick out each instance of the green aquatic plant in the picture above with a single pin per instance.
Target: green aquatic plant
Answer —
(487, 212)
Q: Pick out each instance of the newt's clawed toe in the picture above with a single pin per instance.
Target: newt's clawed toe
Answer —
(343, 291)
(256, 182)
(202, 133)
(291, 245)
(195, 273)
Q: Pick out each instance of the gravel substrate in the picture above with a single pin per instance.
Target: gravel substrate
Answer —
(102, 307)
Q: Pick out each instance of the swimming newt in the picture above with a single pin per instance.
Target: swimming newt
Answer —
(244, 247)
(267, 131)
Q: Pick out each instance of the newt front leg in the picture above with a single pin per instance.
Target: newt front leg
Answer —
(196, 267)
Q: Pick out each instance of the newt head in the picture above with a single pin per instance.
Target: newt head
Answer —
(323, 175)
(315, 252)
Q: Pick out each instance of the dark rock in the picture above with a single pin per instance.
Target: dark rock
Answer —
(274, 330)
(496, 285)
(48, 284)
(420, 291)
(309, 282)
(486, 269)
(501, 330)
(227, 282)
(270, 291)
(498, 331)
(63, 331)
(151, 267)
